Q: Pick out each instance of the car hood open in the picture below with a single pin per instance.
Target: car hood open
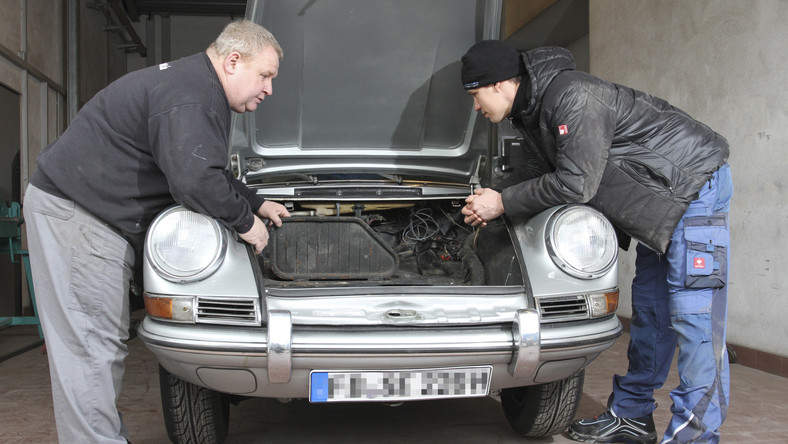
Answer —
(367, 87)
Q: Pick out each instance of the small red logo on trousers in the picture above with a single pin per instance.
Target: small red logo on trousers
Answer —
(562, 130)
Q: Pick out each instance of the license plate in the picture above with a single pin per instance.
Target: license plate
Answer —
(399, 385)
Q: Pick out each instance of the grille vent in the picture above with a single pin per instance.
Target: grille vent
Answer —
(563, 308)
(228, 311)
(360, 192)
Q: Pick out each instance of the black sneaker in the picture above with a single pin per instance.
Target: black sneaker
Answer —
(609, 428)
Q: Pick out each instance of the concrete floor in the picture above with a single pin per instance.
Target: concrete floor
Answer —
(758, 411)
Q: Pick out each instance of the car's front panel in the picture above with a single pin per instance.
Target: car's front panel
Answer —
(278, 331)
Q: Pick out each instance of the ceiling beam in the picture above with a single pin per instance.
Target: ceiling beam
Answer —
(234, 8)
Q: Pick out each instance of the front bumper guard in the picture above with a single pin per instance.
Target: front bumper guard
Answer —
(280, 346)
(526, 333)
(527, 343)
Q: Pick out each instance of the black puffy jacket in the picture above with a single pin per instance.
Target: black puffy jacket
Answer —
(632, 156)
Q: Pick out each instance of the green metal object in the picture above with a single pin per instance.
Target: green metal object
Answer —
(11, 221)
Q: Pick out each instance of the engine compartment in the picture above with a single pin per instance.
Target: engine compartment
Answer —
(423, 242)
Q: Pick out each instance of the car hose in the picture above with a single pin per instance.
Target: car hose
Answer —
(471, 264)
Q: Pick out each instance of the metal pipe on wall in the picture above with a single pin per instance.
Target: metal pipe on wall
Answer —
(150, 38)
(23, 138)
(166, 55)
(73, 60)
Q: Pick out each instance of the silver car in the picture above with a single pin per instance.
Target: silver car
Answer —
(375, 290)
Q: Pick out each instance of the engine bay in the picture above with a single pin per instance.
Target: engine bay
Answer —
(387, 243)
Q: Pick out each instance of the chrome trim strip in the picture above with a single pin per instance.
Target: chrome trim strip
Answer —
(526, 332)
(406, 342)
(279, 346)
(566, 343)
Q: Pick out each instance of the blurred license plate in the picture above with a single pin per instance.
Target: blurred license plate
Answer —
(399, 385)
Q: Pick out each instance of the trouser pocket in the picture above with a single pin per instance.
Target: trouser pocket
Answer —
(86, 270)
(707, 240)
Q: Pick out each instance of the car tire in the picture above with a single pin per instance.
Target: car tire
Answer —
(193, 414)
(543, 410)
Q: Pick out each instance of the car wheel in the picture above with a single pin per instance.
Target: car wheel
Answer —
(193, 414)
(543, 410)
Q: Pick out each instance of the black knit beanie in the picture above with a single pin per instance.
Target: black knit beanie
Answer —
(490, 61)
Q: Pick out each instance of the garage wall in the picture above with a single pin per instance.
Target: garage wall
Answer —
(724, 62)
(720, 60)
(188, 35)
(31, 65)
(33, 58)
(31, 72)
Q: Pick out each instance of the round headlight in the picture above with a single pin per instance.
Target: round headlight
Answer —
(184, 246)
(581, 241)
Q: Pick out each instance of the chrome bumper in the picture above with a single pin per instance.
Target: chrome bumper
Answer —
(278, 353)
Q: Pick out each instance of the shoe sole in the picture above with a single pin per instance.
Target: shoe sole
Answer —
(651, 438)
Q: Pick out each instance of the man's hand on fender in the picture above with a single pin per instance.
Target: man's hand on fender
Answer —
(485, 204)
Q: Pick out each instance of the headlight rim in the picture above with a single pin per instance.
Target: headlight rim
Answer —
(559, 261)
(206, 271)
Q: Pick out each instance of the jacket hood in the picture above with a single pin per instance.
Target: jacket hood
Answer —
(541, 66)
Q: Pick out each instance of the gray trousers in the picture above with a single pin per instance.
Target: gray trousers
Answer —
(81, 271)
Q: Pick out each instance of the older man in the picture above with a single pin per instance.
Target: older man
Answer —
(152, 138)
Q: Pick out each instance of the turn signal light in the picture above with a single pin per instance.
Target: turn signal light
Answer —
(169, 308)
(603, 303)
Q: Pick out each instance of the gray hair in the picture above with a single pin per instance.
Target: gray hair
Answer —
(246, 37)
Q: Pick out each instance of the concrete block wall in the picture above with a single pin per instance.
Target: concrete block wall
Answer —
(724, 62)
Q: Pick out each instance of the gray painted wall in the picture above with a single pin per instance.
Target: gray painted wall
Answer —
(725, 63)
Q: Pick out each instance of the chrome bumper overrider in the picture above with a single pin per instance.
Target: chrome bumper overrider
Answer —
(280, 346)
(526, 331)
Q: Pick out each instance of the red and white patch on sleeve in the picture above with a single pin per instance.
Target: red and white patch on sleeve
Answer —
(563, 130)
(699, 263)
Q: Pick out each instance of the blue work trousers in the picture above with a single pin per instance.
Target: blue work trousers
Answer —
(680, 300)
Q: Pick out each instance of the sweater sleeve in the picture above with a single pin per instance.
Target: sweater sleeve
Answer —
(579, 129)
(189, 145)
(251, 196)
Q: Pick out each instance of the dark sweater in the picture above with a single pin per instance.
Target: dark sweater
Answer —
(153, 137)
